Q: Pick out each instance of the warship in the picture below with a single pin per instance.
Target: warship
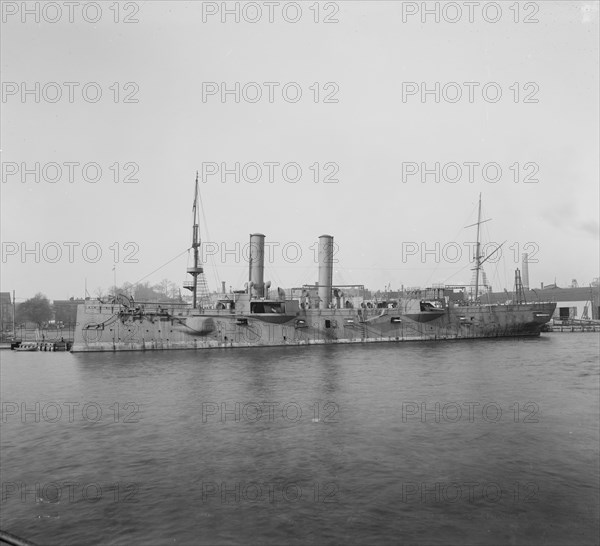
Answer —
(323, 313)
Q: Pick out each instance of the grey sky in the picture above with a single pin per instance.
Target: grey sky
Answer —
(369, 133)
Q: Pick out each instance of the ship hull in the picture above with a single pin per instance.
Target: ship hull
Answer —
(105, 327)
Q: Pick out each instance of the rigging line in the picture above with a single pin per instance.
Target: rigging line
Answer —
(459, 271)
(239, 283)
(491, 254)
(215, 272)
(487, 236)
(272, 272)
(277, 277)
(469, 263)
(160, 267)
(497, 277)
(504, 267)
(382, 268)
(340, 277)
(459, 230)
(311, 271)
(276, 281)
(305, 275)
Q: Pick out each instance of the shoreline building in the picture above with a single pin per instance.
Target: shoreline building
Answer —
(581, 303)
(6, 312)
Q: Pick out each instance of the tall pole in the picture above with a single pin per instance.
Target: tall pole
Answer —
(195, 244)
(477, 255)
(13, 313)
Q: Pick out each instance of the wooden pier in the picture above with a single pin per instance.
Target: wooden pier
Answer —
(572, 328)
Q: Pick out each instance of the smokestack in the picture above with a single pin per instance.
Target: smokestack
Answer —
(223, 287)
(525, 272)
(325, 269)
(257, 264)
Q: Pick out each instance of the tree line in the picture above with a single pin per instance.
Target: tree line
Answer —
(40, 310)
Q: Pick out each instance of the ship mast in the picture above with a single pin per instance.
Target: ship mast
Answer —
(478, 258)
(477, 252)
(197, 268)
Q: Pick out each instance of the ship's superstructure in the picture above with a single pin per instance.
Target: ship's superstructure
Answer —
(316, 314)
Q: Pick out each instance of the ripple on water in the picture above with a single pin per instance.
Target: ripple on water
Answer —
(368, 470)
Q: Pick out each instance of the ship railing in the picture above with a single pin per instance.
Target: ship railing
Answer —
(112, 307)
(163, 303)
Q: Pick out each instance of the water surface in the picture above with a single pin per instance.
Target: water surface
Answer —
(468, 442)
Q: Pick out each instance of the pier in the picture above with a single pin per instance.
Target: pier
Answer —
(48, 346)
(573, 328)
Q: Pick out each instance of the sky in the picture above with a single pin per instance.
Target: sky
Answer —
(337, 122)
